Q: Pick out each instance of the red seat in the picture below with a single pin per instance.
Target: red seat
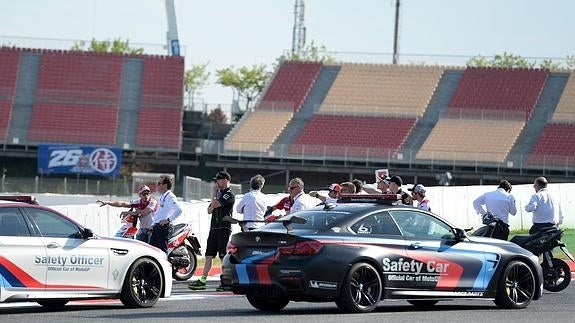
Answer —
(73, 124)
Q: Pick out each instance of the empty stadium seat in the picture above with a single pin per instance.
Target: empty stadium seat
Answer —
(381, 90)
(470, 140)
(73, 124)
(290, 86)
(505, 89)
(80, 78)
(555, 146)
(352, 136)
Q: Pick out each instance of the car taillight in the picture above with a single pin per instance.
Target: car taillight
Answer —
(232, 249)
(302, 248)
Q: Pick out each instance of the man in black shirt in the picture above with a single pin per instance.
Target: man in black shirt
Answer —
(395, 187)
(222, 205)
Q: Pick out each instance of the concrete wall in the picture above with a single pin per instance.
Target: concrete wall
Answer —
(454, 203)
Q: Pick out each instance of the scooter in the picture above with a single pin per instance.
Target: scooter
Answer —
(183, 249)
(556, 272)
(183, 245)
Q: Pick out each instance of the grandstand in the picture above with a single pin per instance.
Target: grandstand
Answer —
(76, 97)
(312, 117)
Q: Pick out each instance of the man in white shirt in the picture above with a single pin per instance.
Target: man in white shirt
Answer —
(546, 210)
(253, 205)
(500, 203)
(301, 201)
(168, 211)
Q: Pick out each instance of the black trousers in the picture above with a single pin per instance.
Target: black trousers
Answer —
(161, 235)
(538, 226)
(501, 231)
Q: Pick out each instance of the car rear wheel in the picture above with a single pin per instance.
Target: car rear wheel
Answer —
(423, 303)
(143, 284)
(361, 290)
(53, 302)
(272, 304)
(516, 287)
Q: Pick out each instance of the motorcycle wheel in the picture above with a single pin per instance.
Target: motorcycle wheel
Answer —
(557, 278)
(185, 273)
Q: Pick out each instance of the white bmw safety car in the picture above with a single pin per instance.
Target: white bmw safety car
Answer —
(48, 258)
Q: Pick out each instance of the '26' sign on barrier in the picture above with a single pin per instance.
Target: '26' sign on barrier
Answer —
(79, 160)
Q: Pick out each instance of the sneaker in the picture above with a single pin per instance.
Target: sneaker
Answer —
(220, 289)
(198, 284)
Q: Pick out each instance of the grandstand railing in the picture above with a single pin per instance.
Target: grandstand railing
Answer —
(281, 153)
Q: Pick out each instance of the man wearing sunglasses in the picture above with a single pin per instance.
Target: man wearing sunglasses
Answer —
(168, 211)
(144, 208)
(301, 201)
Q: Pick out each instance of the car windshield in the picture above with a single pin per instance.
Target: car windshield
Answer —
(316, 220)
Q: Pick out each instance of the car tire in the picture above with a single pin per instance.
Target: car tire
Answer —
(186, 273)
(53, 303)
(423, 303)
(143, 284)
(361, 290)
(557, 278)
(517, 286)
(270, 304)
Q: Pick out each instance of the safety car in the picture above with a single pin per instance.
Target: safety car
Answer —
(365, 249)
(48, 258)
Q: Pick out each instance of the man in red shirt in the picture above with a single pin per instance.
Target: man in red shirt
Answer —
(144, 207)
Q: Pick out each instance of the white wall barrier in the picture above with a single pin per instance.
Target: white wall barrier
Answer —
(454, 203)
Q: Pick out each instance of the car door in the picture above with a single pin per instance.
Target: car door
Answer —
(74, 263)
(21, 253)
(382, 240)
(436, 261)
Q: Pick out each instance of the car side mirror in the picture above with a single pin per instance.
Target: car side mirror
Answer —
(459, 234)
(87, 233)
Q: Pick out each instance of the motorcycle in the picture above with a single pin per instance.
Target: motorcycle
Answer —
(556, 272)
(491, 223)
(183, 245)
(183, 249)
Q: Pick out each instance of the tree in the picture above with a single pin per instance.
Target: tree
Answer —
(217, 115)
(550, 65)
(106, 46)
(196, 79)
(311, 53)
(247, 82)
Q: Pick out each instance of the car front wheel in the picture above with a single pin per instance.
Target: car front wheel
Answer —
(143, 284)
(361, 290)
(516, 287)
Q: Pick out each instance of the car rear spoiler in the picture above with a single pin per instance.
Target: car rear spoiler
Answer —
(287, 222)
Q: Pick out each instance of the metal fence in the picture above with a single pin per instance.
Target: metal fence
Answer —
(77, 185)
(196, 189)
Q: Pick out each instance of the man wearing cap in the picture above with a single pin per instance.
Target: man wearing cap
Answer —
(168, 211)
(500, 203)
(332, 195)
(144, 208)
(222, 205)
(418, 194)
(253, 205)
(395, 183)
(383, 184)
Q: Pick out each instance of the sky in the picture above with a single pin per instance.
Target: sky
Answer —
(237, 33)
